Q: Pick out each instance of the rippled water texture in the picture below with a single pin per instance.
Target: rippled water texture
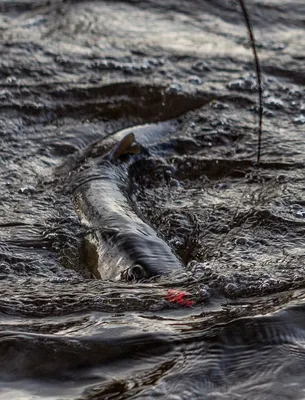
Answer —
(74, 72)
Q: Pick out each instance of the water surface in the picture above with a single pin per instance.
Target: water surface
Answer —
(72, 73)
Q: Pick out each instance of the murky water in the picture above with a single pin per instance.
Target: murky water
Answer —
(72, 73)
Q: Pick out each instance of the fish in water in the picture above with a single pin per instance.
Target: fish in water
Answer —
(120, 245)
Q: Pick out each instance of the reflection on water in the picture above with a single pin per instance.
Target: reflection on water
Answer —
(73, 73)
(260, 357)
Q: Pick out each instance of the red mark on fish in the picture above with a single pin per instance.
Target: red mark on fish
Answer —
(179, 297)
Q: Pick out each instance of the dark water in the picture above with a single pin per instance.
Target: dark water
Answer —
(74, 72)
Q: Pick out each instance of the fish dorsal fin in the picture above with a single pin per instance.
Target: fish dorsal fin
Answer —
(128, 145)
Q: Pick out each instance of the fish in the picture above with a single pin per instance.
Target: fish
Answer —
(120, 244)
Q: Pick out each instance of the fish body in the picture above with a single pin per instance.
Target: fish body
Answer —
(120, 245)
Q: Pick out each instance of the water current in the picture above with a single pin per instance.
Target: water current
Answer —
(74, 72)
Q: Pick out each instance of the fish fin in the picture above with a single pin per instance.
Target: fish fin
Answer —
(128, 145)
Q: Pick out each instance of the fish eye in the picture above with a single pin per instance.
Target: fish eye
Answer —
(133, 273)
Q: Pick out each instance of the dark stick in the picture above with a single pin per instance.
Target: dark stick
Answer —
(258, 77)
